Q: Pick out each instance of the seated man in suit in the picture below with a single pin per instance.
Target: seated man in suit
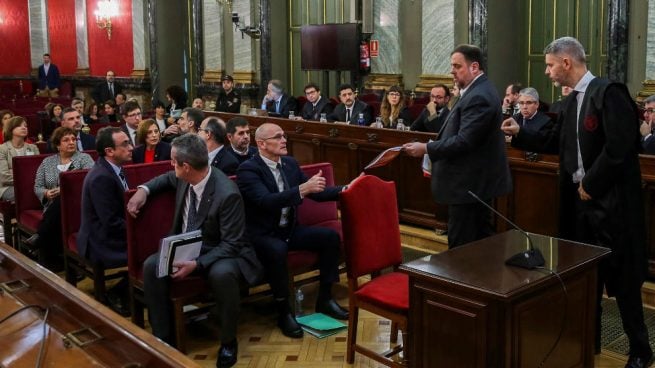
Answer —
(273, 186)
(349, 109)
(71, 118)
(316, 104)
(107, 89)
(529, 116)
(648, 126)
(276, 102)
(206, 200)
(102, 235)
(132, 116)
(436, 111)
(213, 133)
(238, 133)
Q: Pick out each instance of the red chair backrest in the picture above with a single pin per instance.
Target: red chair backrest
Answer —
(137, 174)
(154, 222)
(369, 219)
(311, 212)
(24, 168)
(415, 110)
(70, 184)
(93, 153)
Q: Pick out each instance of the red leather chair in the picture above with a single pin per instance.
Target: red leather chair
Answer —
(8, 211)
(415, 110)
(372, 242)
(137, 174)
(29, 211)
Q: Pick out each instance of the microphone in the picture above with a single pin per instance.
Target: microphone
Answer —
(530, 259)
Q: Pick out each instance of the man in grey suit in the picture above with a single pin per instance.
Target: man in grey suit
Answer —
(469, 153)
(208, 200)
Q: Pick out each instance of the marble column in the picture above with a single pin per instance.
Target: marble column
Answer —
(649, 83)
(152, 33)
(39, 42)
(81, 37)
(617, 53)
(265, 46)
(437, 41)
(478, 24)
(213, 45)
(244, 63)
(139, 40)
(385, 69)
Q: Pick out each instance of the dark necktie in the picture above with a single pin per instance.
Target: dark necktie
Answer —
(191, 211)
(121, 175)
(283, 177)
(314, 112)
(111, 89)
(348, 115)
(277, 106)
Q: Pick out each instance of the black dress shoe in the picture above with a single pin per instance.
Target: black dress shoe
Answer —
(331, 308)
(289, 326)
(639, 361)
(227, 355)
(118, 303)
(32, 241)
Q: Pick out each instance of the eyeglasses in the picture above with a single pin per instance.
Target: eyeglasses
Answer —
(124, 144)
(521, 103)
(134, 114)
(649, 111)
(394, 94)
(310, 92)
(277, 137)
(436, 96)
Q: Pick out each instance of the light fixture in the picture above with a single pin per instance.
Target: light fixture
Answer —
(252, 31)
(106, 10)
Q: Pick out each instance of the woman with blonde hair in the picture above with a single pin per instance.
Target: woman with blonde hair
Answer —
(393, 108)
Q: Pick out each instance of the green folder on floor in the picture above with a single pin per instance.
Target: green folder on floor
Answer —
(320, 325)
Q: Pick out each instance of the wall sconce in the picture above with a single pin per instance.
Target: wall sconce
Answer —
(252, 31)
(106, 10)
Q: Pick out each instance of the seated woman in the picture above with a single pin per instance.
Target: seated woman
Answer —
(46, 187)
(5, 115)
(15, 133)
(91, 115)
(393, 108)
(150, 147)
(160, 115)
(110, 112)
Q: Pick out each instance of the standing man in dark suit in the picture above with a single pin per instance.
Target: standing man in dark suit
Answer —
(469, 153)
(273, 186)
(316, 104)
(132, 116)
(48, 78)
(529, 116)
(207, 200)
(598, 141)
(238, 133)
(212, 132)
(436, 111)
(349, 109)
(648, 127)
(71, 118)
(229, 99)
(108, 89)
(276, 102)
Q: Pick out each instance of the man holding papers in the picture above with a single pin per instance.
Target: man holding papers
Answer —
(207, 200)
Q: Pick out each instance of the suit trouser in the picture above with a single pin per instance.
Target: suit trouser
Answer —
(628, 297)
(224, 278)
(272, 252)
(49, 231)
(468, 222)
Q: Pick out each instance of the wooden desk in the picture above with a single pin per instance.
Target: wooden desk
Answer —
(120, 343)
(468, 309)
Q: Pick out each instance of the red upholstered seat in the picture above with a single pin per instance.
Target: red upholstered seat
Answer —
(137, 174)
(28, 207)
(371, 237)
(30, 219)
(415, 110)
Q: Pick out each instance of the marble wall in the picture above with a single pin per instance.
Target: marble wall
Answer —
(650, 44)
(243, 44)
(386, 30)
(39, 43)
(81, 36)
(212, 14)
(139, 36)
(437, 35)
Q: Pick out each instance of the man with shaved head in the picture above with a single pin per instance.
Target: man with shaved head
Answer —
(273, 186)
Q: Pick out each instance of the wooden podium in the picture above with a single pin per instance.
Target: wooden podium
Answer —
(80, 331)
(468, 309)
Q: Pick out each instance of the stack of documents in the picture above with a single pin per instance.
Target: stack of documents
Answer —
(320, 325)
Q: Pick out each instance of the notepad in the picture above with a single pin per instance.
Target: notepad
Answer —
(178, 248)
(320, 325)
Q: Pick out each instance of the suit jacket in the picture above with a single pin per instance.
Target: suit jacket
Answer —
(7, 154)
(323, 106)
(223, 221)
(339, 113)
(101, 91)
(88, 143)
(263, 200)
(538, 122)
(649, 145)
(252, 151)
(51, 80)
(424, 124)
(230, 102)
(287, 104)
(469, 153)
(609, 139)
(162, 153)
(102, 235)
(126, 131)
(226, 162)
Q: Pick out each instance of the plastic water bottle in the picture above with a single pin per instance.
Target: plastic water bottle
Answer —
(299, 298)
(360, 119)
(292, 115)
(400, 125)
(323, 117)
(378, 122)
